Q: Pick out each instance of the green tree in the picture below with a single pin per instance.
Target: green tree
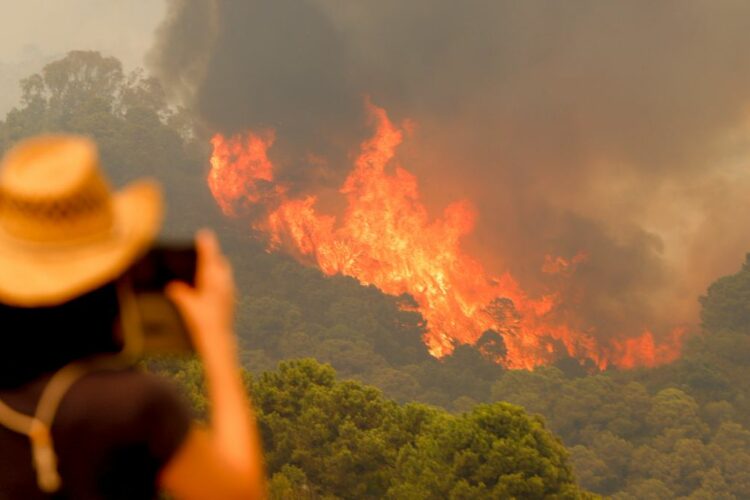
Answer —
(495, 451)
(137, 132)
(326, 438)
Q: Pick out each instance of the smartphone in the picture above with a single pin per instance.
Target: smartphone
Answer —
(162, 326)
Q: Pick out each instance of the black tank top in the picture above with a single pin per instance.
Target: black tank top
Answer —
(113, 432)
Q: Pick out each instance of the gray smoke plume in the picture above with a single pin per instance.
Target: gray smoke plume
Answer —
(614, 128)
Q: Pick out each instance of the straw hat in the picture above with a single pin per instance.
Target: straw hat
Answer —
(62, 231)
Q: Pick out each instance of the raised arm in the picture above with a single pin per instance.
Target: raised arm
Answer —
(223, 460)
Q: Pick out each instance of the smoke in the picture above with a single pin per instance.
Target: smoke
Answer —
(614, 128)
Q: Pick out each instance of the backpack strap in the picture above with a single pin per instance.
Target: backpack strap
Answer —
(38, 427)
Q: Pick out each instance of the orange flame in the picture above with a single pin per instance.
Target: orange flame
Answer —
(236, 168)
(386, 238)
(644, 351)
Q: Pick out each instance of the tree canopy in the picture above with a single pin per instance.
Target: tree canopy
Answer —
(327, 438)
(137, 132)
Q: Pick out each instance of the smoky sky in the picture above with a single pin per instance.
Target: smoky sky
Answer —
(615, 128)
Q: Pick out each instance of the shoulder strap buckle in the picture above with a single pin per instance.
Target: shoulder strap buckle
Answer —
(38, 428)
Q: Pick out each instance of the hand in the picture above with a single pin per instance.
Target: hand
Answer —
(208, 309)
(224, 461)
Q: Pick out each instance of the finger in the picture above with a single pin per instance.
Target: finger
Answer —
(180, 293)
(210, 252)
(222, 265)
(205, 248)
(207, 241)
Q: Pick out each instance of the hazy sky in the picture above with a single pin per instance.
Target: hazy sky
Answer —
(32, 32)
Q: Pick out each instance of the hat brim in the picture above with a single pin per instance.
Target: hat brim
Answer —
(37, 276)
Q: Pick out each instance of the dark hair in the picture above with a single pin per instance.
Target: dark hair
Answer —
(35, 341)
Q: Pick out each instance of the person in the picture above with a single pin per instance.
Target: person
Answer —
(72, 426)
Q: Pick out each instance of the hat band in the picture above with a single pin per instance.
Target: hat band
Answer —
(114, 231)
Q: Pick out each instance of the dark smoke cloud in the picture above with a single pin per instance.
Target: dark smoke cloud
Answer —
(609, 127)
(278, 64)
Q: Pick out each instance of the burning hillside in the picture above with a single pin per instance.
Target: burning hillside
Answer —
(386, 238)
(605, 171)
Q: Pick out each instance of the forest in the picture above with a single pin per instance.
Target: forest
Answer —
(350, 403)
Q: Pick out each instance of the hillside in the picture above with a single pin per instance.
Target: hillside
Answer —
(678, 431)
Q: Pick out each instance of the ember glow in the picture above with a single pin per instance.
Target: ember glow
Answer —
(387, 238)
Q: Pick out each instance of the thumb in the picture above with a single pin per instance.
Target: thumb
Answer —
(180, 293)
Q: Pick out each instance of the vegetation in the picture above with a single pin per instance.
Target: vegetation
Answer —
(326, 438)
(678, 431)
(138, 134)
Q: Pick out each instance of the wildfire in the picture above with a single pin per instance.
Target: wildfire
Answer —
(236, 168)
(386, 238)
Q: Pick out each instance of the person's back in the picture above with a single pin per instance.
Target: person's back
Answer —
(113, 433)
